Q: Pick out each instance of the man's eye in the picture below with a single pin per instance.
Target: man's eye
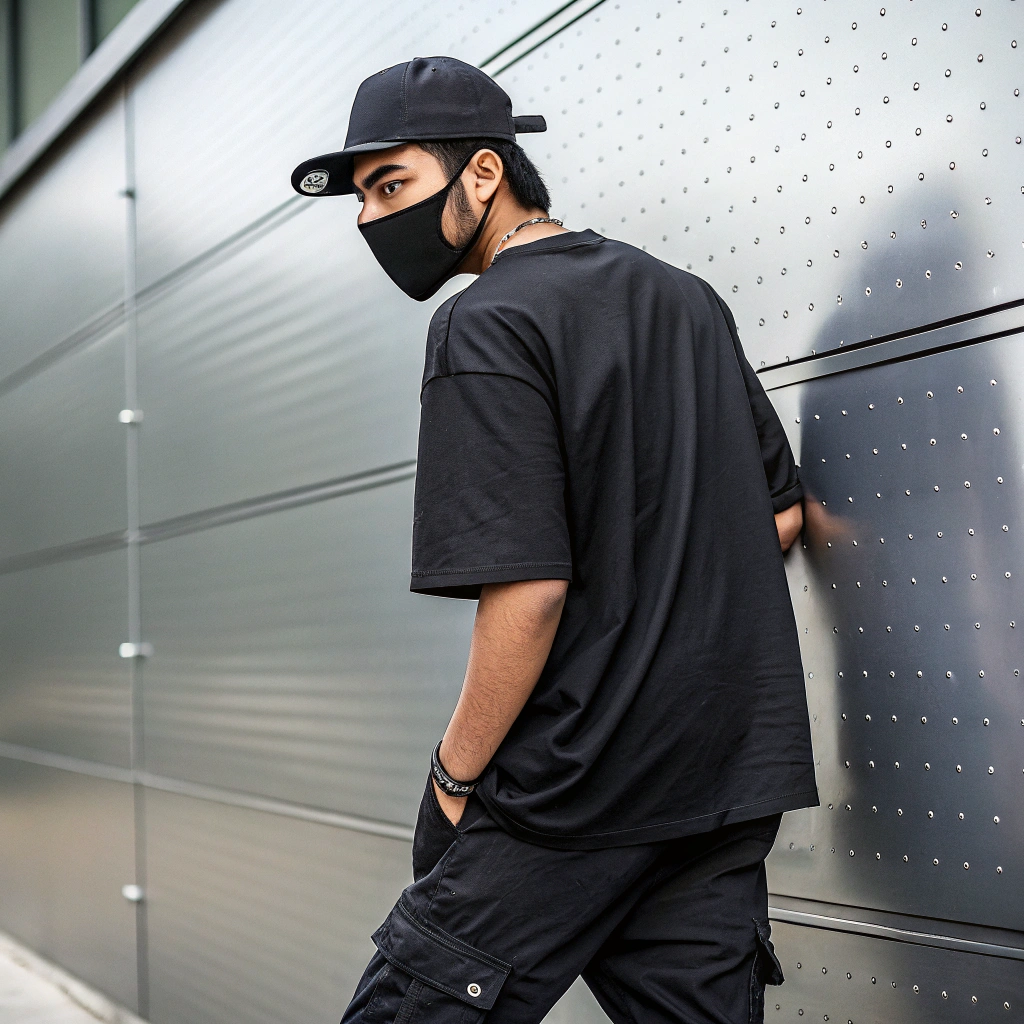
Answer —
(391, 187)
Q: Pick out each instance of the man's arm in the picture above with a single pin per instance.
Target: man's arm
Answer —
(780, 468)
(512, 635)
(789, 523)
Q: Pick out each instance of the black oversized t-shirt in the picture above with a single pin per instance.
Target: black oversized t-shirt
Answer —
(587, 414)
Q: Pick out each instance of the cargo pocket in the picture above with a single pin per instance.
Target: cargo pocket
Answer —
(766, 970)
(432, 977)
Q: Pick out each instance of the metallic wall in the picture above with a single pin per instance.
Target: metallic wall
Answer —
(850, 179)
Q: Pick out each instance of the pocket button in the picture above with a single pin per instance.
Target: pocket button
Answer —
(473, 989)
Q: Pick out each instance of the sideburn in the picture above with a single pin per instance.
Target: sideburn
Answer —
(462, 214)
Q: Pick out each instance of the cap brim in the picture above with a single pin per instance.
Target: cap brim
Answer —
(331, 173)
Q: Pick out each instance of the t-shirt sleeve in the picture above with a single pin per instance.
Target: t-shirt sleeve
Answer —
(489, 504)
(780, 467)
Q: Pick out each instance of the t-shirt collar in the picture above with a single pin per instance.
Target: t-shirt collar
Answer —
(549, 243)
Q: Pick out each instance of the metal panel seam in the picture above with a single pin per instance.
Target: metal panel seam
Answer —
(882, 931)
(927, 341)
(194, 521)
(529, 44)
(215, 794)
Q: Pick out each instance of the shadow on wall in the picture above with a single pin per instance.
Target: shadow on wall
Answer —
(911, 509)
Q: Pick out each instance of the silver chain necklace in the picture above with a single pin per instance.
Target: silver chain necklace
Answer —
(525, 224)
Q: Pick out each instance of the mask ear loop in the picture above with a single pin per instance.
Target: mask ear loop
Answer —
(468, 247)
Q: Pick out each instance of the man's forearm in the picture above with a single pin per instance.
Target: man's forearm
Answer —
(512, 635)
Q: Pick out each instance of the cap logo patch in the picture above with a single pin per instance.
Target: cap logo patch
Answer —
(315, 181)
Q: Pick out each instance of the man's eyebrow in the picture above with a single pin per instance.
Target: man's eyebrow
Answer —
(374, 176)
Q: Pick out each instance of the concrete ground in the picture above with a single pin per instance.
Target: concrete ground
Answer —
(34, 991)
(26, 998)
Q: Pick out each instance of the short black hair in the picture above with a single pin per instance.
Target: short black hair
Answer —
(523, 178)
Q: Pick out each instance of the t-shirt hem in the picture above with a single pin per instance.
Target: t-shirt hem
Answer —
(467, 582)
(654, 833)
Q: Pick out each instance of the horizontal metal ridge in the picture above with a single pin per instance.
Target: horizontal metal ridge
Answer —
(191, 522)
(352, 483)
(881, 931)
(64, 552)
(98, 326)
(183, 787)
(268, 805)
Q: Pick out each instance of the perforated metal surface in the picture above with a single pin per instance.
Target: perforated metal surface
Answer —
(908, 597)
(793, 155)
(843, 978)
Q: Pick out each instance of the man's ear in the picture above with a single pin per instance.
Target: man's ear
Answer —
(485, 174)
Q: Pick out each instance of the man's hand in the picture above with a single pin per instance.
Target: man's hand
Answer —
(512, 635)
(789, 522)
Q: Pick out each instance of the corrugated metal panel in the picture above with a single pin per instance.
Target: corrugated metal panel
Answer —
(260, 919)
(62, 685)
(291, 363)
(66, 848)
(62, 242)
(291, 660)
(275, 83)
(62, 461)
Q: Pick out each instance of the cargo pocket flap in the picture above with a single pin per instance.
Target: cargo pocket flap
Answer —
(439, 959)
(770, 968)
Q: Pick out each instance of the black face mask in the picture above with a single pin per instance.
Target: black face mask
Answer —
(411, 246)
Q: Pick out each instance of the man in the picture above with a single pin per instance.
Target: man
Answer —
(599, 467)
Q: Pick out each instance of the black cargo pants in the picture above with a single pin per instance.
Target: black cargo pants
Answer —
(496, 929)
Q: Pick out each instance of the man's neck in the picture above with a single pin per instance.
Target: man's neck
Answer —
(506, 216)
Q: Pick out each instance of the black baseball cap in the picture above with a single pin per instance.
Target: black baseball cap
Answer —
(424, 98)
